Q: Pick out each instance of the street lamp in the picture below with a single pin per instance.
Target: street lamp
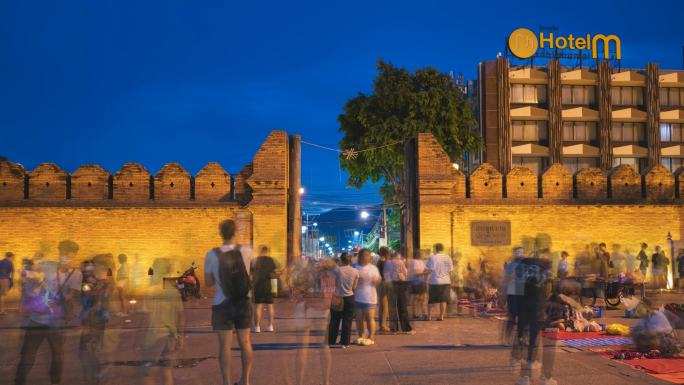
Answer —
(364, 214)
(315, 224)
(356, 233)
(321, 239)
(301, 190)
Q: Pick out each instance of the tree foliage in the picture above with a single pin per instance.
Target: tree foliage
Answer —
(401, 105)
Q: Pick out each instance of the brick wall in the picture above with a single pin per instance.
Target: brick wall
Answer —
(565, 217)
(133, 221)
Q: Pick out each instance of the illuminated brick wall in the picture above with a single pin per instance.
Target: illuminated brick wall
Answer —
(568, 211)
(162, 221)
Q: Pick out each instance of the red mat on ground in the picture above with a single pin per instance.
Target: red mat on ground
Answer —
(675, 378)
(563, 335)
(658, 365)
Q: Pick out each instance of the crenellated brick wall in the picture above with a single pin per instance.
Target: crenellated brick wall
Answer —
(568, 212)
(144, 217)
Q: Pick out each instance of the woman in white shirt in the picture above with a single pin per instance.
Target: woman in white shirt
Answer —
(416, 276)
(366, 298)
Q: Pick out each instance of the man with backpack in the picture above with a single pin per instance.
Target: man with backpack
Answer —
(227, 267)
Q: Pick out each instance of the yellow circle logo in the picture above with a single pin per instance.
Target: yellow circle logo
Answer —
(523, 43)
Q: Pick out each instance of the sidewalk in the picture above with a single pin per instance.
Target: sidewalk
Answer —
(461, 350)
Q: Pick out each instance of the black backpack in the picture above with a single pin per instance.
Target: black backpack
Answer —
(233, 274)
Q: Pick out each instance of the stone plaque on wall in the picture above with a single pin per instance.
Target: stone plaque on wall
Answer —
(490, 233)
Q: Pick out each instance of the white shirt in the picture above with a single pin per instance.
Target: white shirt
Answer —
(366, 291)
(441, 266)
(211, 266)
(416, 269)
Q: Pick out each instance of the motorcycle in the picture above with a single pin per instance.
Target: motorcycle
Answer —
(188, 284)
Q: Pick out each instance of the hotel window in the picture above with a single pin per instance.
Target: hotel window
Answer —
(672, 164)
(575, 164)
(671, 96)
(529, 130)
(671, 132)
(534, 164)
(637, 164)
(629, 132)
(627, 96)
(528, 93)
(579, 131)
(579, 94)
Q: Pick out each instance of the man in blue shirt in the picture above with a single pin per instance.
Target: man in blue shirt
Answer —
(6, 275)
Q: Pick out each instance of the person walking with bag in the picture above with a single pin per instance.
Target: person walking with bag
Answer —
(227, 267)
(342, 305)
(47, 308)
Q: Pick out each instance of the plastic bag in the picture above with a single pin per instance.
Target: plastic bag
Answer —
(592, 326)
(618, 329)
(656, 322)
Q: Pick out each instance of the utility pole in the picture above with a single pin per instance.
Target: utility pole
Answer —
(385, 233)
(294, 205)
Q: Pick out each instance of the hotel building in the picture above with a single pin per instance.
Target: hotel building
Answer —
(535, 116)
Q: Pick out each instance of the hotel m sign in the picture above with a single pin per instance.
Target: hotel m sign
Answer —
(490, 233)
(524, 43)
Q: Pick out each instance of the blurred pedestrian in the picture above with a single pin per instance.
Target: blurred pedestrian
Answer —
(680, 263)
(342, 306)
(514, 287)
(563, 265)
(264, 271)
(366, 298)
(6, 278)
(401, 286)
(96, 291)
(47, 309)
(123, 284)
(416, 277)
(165, 322)
(660, 263)
(440, 266)
(227, 267)
(642, 257)
(385, 291)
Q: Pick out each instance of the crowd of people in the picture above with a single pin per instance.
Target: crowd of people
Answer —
(373, 293)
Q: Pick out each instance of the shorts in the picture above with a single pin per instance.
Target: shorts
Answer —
(418, 288)
(440, 293)
(228, 315)
(365, 306)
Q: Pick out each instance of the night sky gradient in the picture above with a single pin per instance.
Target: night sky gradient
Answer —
(110, 82)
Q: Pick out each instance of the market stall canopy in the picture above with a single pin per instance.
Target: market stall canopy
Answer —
(529, 113)
(580, 114)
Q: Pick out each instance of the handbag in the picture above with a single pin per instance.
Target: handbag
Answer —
(336, 303)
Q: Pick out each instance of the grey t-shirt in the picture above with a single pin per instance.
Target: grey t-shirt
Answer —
(345, 280)
(211, 266)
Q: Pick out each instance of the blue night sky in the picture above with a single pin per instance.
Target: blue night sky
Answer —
(195, 81)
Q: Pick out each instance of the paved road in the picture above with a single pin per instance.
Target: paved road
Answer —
(461, 350)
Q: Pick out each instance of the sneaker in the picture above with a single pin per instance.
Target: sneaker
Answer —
(524, 380)
(549, 381)
(256, 329)
(270, 329)
(364, 342)
(345, 346)
(358, 341)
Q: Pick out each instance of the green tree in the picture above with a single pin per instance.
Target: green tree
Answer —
(401, 105)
